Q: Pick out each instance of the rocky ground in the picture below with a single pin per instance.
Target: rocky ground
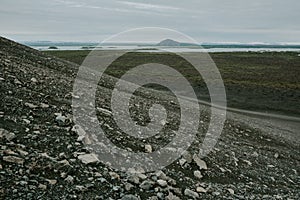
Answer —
(42, 155)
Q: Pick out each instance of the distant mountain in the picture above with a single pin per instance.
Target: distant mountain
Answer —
(173, 43)
(169, 42)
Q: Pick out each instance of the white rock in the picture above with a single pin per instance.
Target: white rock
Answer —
(231, 191)
(13, 159)
(222, 169)
(30, 105)
(128, 186)
(102, 180)
(201, 190)
(10, 152)
(42, 186)
(26, 121)
(153, 198)
(97, 174)
(60, 118)
(64, 163)
(45, 155)
(79, 130)
(22, 153)
(80, 188)
(134, 179)
(6, 134)
(75, 96)
(190, 193)
(37, 132)
(162, 183)
(182, 161)
(104, 111)
(248, 162)
(198, 174)
(51, 181)
(114, 175)
(82, 136)
(43, 105)
(171, 196)
(160, 195)
(201, 163)
(69, 179)
(63, 174)
(188, 157)
(255, 154)
(160, 174)
(129, 197)
(33, 80)
(171, 149)
(142, 176)
(16, 81)
(146, 185)
(88, 158)
(148, 148)
(216, 193)
(138, 170)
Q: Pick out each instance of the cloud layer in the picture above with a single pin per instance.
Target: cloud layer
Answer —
(205, 20)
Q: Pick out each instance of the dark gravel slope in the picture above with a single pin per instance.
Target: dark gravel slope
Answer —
(41, 156)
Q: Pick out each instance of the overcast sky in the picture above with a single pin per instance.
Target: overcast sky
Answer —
(205, 20)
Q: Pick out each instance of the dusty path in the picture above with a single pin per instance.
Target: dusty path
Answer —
(283, 126)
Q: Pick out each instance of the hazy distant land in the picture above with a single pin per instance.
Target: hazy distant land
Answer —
(169, 44)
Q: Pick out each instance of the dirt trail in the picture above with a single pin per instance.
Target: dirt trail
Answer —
(275, 125)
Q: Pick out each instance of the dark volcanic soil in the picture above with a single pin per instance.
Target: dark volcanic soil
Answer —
(40, 154)
(266, 82)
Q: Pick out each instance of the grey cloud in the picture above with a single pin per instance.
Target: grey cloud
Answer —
(205, 20)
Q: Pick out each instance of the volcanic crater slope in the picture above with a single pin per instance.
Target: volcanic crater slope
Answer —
(42, 155)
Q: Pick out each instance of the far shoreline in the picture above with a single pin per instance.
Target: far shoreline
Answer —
(170, 49)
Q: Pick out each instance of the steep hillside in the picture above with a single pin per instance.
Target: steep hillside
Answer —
(43, 157)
